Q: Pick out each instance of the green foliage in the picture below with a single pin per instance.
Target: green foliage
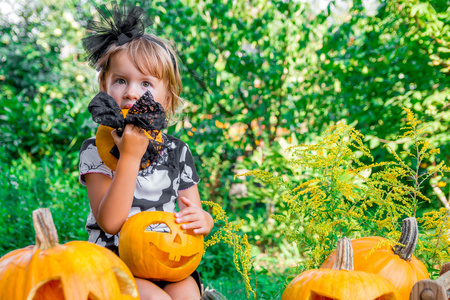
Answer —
(371, 66)
(229, 234)
(240, 70)
(216, 261)
(44, 88)
(26, 186)
(342, 196)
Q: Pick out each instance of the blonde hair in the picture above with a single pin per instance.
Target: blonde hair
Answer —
(153, 56)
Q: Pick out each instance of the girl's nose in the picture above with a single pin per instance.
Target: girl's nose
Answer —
(132, 93)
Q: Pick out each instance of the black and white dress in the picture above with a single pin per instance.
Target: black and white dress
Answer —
(157, 186)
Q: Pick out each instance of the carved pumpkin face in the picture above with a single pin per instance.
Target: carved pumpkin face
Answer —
(170, 256)
(77, 270)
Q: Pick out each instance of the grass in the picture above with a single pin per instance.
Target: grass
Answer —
(269, 286)
(26, 186)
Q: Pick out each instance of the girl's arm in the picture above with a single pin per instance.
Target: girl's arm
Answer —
(191, 212)
(111, 199)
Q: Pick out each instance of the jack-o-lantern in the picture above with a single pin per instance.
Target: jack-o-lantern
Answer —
(340, 282)
(76, 270)
(105, 143)
(170, 256)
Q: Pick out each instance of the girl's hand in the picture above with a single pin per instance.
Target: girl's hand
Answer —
(194, 217)
(133, 142)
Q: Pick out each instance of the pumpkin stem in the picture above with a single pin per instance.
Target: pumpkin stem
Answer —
(46, 235)
(408, 239)
(344, 255)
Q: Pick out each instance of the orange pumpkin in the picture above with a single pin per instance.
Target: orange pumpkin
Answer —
(397, 264)
(157, 255)
(340, 282)
(105, 143)
(74, 271)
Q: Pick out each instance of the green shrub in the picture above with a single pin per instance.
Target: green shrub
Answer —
(26, 185)
(339, 195)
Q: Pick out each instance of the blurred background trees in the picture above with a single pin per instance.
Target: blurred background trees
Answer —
(258, 77)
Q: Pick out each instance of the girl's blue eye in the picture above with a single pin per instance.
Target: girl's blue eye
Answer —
(146, 84)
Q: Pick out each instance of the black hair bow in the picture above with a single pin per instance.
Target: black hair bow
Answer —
(117, 25)
(145, 113)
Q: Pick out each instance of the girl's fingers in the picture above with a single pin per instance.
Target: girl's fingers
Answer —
(198, 227)
(194, 218)
(189, 217)
(188, 211)
(192, 225)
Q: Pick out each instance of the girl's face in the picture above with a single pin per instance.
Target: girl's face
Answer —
(126, 84)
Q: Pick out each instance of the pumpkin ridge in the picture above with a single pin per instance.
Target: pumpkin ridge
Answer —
(367, 244)
(379, 262)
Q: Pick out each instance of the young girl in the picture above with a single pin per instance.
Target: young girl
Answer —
(132, 63)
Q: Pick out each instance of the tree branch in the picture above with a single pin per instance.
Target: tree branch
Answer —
(441, 196)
